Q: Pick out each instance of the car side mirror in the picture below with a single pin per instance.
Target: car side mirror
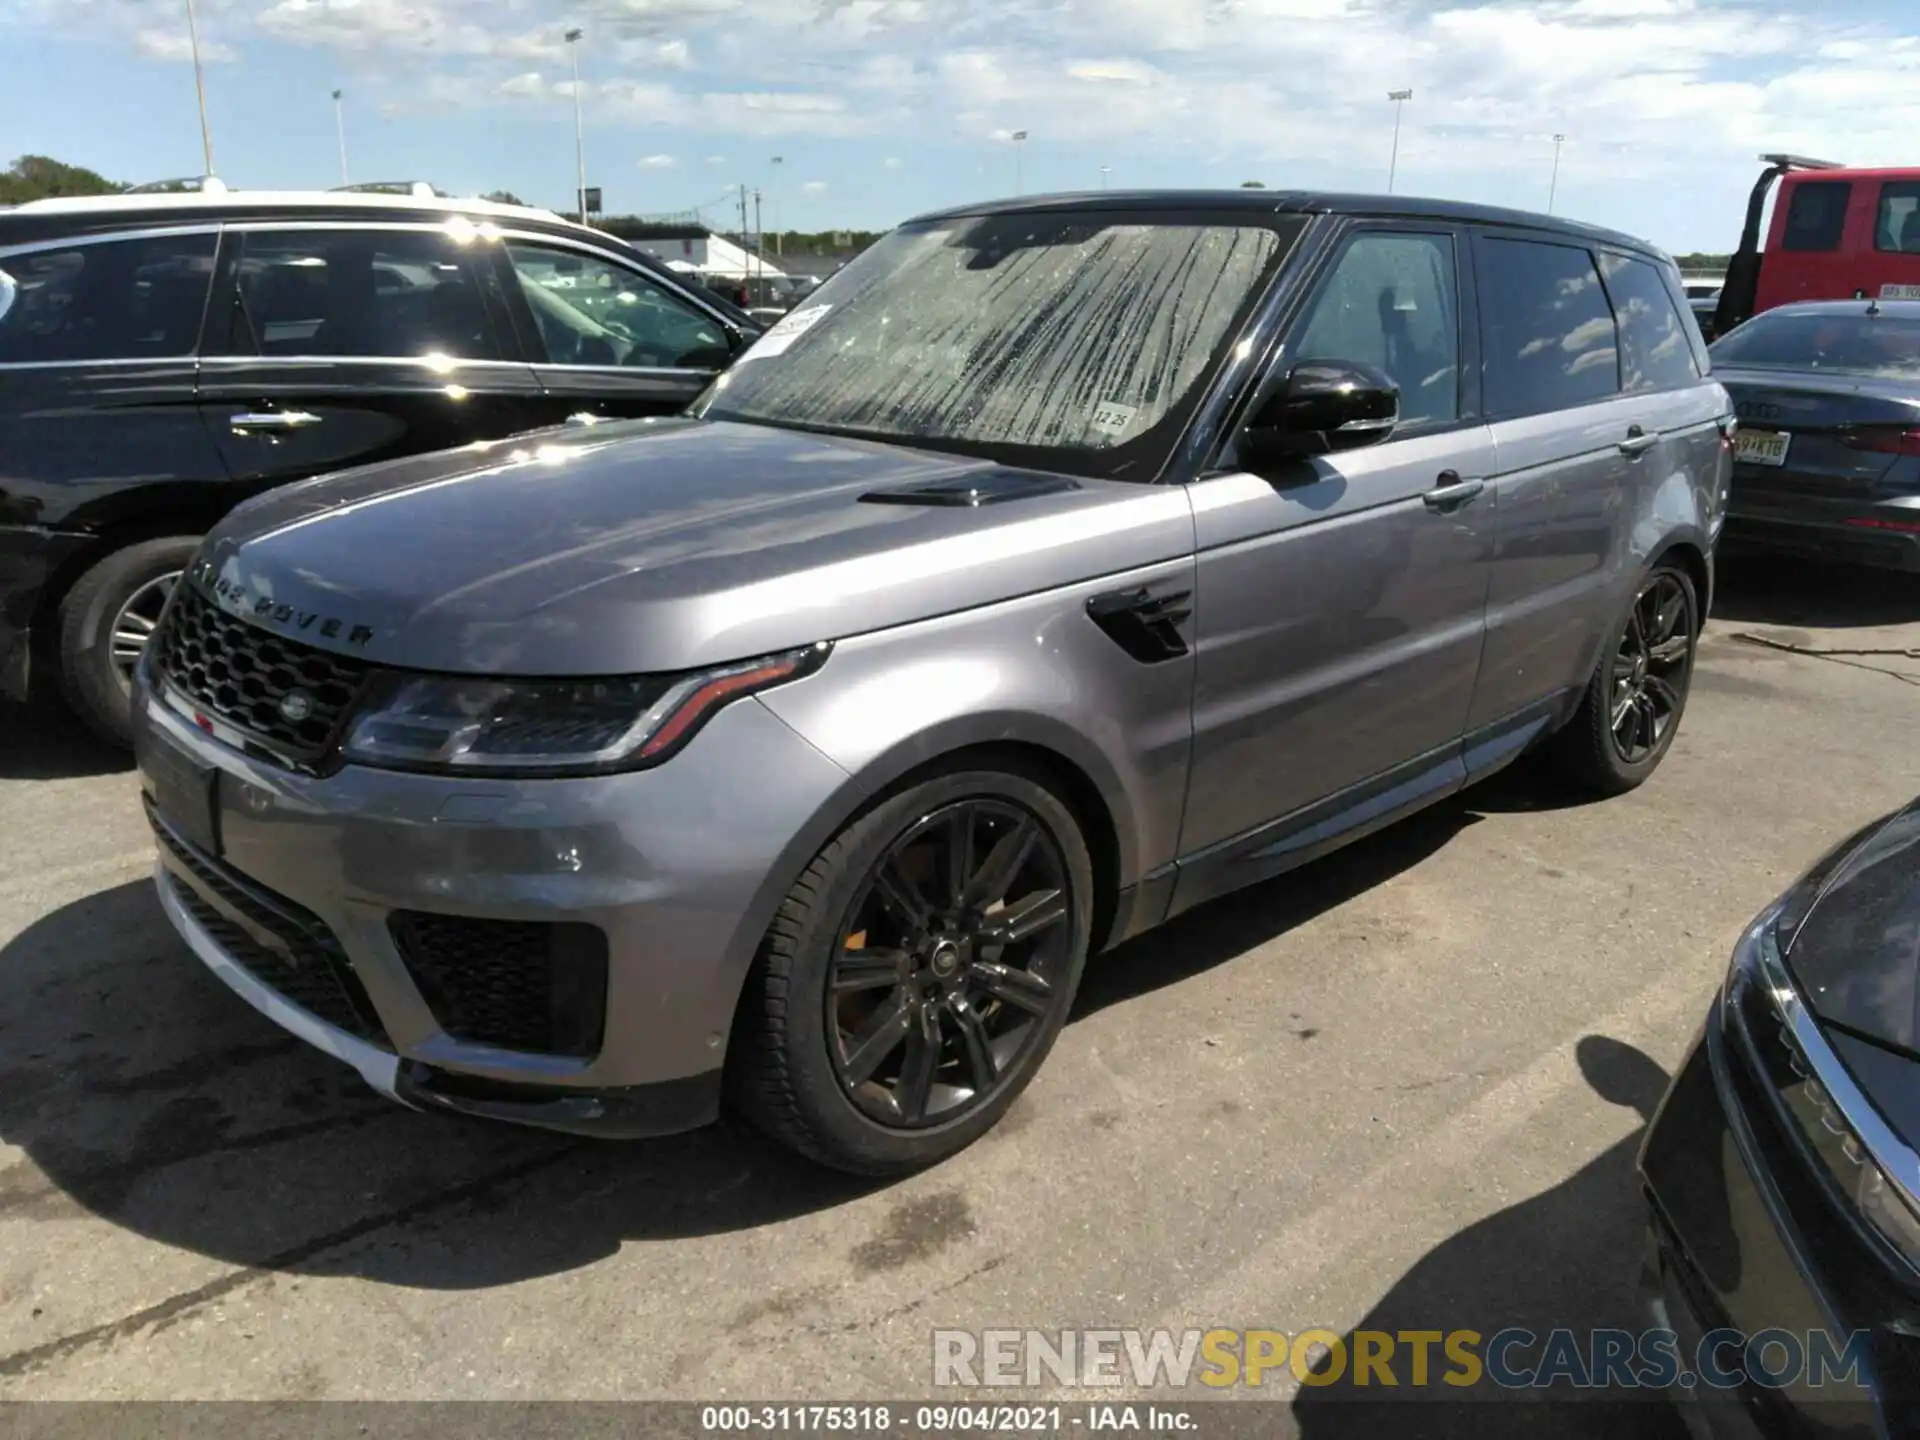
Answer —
(1323, 406)
(706, 357)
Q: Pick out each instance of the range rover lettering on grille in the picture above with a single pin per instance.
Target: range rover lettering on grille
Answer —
(233, 597)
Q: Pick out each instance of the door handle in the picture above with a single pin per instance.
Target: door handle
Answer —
(1638, 442)
(253, 420)
(1452, 492)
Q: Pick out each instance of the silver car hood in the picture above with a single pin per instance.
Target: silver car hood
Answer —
(662, 545)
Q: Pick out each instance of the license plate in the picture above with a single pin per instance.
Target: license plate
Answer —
(1900, 292)
(1761, 447)
(186, 795)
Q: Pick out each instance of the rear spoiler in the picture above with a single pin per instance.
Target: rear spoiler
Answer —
(1742, 285)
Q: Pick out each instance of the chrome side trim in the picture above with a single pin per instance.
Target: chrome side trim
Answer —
(378, 1068)
(1896, 1159)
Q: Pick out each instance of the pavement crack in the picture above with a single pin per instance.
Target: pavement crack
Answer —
(1840, 656)
(895, 1312)
(21, 1362)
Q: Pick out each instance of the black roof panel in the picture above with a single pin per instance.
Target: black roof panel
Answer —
(1295, 202)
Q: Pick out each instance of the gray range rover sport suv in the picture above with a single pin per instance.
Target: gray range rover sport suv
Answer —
(1059, 565)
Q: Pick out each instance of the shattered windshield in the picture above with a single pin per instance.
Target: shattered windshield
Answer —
(1067, 339)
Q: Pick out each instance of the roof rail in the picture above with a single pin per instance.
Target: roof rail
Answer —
(187, 185)
(391, 187)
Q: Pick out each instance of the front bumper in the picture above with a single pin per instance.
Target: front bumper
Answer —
(29, 557)
(1741, 1236)
(678, 867)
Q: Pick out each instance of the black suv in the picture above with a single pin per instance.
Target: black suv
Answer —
(163, 357)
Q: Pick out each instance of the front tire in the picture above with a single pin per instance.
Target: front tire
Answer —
(105, 620)
(917, 974)
(1627, 720)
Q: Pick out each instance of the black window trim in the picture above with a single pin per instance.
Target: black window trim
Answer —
(533, 347)
(113, 237)
(1592, 250)
(224, 298)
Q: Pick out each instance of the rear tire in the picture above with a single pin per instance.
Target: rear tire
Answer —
(118, 597)
(840, 964)
(1632, 707)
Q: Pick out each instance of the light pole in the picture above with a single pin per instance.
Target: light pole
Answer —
(579, 134)
(1553, 185)
(1399, 98)
(778, 234)
(1019, 139)
(340, 127)
(200, 87)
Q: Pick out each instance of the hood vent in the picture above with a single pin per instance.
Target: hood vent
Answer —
(970, 492)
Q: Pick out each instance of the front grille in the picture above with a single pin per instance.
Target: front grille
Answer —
(518, 984)
(242, 674)
(303, 962)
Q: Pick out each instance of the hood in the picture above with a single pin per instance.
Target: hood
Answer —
(1856, 952)
(662, 545)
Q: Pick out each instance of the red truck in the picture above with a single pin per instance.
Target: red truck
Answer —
(1835, 234)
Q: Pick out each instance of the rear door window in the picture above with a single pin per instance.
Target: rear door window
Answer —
(392, 294)
(1816, 215)
(1655, 353)
(1897, 228)
(1548, 336)
(112, 300)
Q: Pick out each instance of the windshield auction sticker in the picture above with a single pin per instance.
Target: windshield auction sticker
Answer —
(788, 329)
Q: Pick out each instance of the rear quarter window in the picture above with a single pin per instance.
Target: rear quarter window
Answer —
(1656, 352)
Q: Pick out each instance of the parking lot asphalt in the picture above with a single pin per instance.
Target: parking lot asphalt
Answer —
(1399, 1088)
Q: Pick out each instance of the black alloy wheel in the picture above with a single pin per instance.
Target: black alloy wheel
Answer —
(950, 963)
(1651, 669)
(1633, 702)
(918, 971)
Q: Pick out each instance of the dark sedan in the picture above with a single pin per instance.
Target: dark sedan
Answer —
(1781, 1168)
(1827, 462)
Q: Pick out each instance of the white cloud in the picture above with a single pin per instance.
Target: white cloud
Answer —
(814, 187)
(178, 45)
(893, 162)
(658, 162)
(1124, 72)
(716, 160)
(530, 83)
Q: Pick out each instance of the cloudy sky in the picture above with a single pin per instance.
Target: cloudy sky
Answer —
(880, 108)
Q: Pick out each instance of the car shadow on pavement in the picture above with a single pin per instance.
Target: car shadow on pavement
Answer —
(43, 742)
(143, 1092)
(1773, 590)
(1567, 1257)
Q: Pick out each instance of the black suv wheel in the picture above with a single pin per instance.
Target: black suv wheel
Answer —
(105, 622)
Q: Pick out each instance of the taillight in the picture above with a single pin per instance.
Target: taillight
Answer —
(1885, 439)
(1881, 522)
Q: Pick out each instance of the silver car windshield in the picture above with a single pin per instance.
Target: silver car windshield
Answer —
(1062, 339)
(1877, 345)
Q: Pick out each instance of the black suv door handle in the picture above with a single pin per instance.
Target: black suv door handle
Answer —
(252, 421)
(1638, 442)
(1450, 492)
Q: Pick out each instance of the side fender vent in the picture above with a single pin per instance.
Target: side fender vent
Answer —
(970, 492)
(1144, 623)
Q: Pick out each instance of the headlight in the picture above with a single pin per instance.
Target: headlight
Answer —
(1836, 1120)
(552, 727)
